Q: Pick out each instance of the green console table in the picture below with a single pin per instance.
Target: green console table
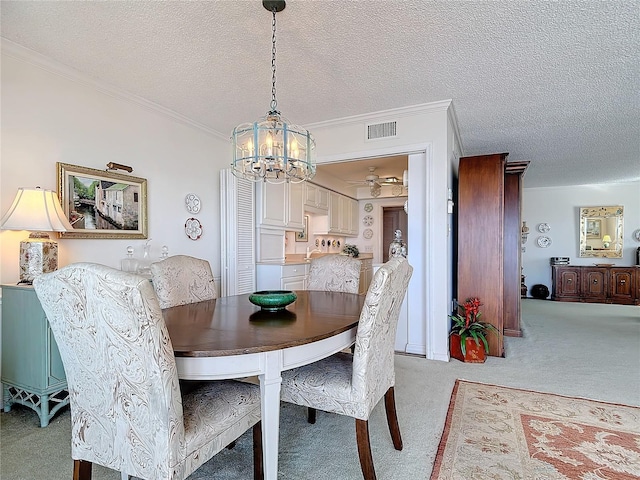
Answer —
(32, 371)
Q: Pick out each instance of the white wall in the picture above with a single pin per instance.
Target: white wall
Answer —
(560, 208)
(428, 133)
(50, 114)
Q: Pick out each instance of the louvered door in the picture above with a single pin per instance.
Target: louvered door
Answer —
(237, 216)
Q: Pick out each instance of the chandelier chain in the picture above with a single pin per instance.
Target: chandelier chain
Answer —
(274, 102)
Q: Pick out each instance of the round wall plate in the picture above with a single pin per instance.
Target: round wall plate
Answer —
(367, 220)
(396, 190)
(543, 227)
(368, 233)
(192, 203)
(193, 228)
(636, 235)
(543, 241)
(368, 207)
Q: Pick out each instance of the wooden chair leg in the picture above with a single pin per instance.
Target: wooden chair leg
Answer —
(258, 468)
(364, 449)
(311, 415)
(231, 445)
(392, 418)
(81, 470)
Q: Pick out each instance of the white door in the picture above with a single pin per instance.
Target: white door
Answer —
(237, 225)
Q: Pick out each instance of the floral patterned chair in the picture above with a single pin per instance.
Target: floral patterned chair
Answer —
(353, 384)
(181, 279)
(127, 411)
(334, 273)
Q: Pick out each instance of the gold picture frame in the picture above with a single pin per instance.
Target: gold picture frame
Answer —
(120, 211)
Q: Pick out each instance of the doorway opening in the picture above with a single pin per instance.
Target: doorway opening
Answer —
(393, 218)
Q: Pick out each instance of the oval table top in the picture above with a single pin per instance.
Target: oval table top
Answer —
(233, 325)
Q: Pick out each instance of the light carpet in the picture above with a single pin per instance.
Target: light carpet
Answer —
(550, 357)
(506, 433)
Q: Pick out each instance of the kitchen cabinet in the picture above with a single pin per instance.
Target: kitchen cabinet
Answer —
(32, 370)
(354, 224)
(282, 277)
(316, 199)
(280, 205)
(343, 215)
(366, 274)
(335, 212)
(596, 284)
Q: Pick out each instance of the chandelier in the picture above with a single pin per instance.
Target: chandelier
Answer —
(272, 149)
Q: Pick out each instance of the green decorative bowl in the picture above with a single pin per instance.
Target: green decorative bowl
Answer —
(272, 300)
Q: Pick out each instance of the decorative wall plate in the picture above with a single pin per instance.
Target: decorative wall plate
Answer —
(367, 220)
(543, 241)
(368, 207)
(406, 206)
(636, 235)
(396, 190)
(368, 233)
(543, 227)
(192, 202)
(193, 228)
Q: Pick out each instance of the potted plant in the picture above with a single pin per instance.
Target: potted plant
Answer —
(350, 250)
(468, 336)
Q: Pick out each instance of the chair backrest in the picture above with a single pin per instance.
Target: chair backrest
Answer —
(373, 357)
(182, 279)
(126, 407)
(334, 273)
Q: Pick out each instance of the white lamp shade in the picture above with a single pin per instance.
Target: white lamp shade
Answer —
(35, 209)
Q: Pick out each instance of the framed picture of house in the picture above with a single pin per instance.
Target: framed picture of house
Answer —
(102, 204)
(593, 228)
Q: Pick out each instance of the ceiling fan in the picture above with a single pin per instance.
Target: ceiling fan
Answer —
(375, 182)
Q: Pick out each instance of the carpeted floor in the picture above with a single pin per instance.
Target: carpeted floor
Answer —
(506, 433)
(579, 350)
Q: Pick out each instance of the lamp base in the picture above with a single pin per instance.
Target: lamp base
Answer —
(37, 256)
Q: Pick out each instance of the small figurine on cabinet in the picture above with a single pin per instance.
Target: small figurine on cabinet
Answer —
(397, 248)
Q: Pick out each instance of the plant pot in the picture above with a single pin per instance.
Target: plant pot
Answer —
(474, 353)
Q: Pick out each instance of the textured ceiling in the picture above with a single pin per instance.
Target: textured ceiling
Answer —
(556, 83)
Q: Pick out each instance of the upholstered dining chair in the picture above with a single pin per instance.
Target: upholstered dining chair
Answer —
(182, 279)
(334, 273)
(127, 410)
(353, 384)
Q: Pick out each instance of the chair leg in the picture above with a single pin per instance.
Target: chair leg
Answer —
(81, 470)
(311, 415)
(364, 449)
(392, 418)
(258, 469)
(231, 445)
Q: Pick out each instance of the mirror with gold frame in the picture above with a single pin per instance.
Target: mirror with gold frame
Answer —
(601, 231)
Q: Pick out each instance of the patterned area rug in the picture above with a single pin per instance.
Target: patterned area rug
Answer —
(497, 433)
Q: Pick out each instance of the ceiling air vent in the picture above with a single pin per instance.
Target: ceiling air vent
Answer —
(381, 130)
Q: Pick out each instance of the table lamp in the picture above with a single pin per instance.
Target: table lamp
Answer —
(37, 210)
(606, 241)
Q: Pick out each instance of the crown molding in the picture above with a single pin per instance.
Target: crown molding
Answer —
(410, 111)
(26, 55)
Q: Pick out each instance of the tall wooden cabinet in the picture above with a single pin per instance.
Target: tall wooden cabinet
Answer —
(489, 226)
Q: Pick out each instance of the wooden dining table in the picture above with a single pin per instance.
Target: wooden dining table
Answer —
(229, 337)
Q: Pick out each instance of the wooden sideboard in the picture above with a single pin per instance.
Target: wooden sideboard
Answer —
(597, 284)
